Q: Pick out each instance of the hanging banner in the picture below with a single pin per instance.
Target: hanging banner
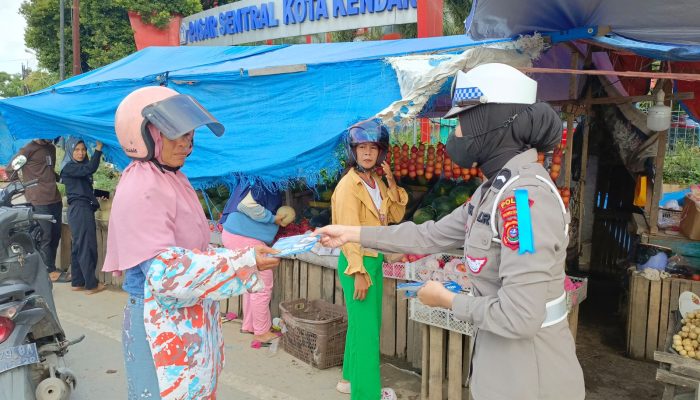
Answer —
(251, 21)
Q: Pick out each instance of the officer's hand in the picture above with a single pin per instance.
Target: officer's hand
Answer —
(262, 259)
(338, 235)
(434, 294)
(361, 286)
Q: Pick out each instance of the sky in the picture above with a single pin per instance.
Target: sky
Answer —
(12, 49)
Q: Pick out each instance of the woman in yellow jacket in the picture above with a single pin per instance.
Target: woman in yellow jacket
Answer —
(362, 198)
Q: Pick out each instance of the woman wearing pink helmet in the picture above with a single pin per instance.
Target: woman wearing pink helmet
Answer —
(158, 235)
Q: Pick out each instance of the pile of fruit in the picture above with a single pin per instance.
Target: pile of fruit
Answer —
(686, 341)
(295, 228)
(443, 199)
(425, 162)
(554, 168)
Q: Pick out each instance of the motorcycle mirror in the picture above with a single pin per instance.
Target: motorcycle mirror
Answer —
(19, 162)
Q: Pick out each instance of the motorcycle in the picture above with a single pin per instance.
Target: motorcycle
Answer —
(32, 341)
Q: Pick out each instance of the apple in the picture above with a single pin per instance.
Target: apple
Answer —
(428, 175)
(473, 171)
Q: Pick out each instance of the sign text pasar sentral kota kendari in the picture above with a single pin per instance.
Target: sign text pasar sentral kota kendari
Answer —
(262, 16)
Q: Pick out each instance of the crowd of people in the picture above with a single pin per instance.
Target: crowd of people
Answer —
(513, 231)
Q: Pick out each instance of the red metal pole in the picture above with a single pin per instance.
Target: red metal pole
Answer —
(429, 18)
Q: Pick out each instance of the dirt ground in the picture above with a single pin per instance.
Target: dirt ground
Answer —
(600, 346)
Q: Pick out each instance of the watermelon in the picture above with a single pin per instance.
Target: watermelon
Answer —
(423, 214)
(443, 205)
(460, 195)
(439, 217)
(442, 189)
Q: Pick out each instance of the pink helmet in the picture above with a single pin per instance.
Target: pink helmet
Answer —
(172, 113)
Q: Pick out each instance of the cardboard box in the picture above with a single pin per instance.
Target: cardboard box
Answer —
(690, 219)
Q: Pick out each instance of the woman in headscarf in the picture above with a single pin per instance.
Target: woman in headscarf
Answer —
(76, 175)
(159, 236)
(514, 234)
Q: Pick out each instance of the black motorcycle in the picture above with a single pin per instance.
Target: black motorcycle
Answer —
(32, 342)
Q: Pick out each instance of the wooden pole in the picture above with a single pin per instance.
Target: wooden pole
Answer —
(584, 168)
(629, 74)
(573, 93)
(659, 171)
(621, 99)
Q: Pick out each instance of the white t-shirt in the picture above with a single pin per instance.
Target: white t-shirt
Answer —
(375, 194)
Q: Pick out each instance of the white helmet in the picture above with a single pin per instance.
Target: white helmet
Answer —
(490, 83)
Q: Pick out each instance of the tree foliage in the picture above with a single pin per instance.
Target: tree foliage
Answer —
(12, 85)
(159, 12)
(105, 33)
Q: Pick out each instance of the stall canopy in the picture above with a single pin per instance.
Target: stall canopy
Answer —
(652, 21)
(284, 107)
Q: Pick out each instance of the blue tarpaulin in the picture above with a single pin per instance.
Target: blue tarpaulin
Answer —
(278, 127)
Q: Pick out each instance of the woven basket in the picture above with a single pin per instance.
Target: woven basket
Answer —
(315, 331)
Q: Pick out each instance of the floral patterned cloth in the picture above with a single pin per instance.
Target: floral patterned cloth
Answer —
(181, 315)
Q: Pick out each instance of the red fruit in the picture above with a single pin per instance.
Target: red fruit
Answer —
(556, 168)
(412, 174)
(414, 149)
(556, 159)
(428, 175)
(404, 146)
(554, 175)
(540, 156)
(404, 171)
(440, 145)
(429, 168)
(431, 150)
(566, 192)
(411, 167)
(473, 171)
(421, 147)
(695, 277)
(440, 152)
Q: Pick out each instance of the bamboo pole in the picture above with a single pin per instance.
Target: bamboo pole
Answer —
(659, 171)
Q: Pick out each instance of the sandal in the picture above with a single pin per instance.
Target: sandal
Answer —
(100, 287)
(77, 288)
(62, 277)
(243, 331)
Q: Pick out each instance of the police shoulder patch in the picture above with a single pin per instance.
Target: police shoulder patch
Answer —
(509, 215)
(501, 179)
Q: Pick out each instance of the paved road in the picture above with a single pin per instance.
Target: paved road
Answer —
(249, 374)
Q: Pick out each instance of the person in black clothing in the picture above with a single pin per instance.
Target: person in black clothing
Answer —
(45, 198)
(76, 174)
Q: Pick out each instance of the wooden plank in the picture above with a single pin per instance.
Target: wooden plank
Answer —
(685, 285)
(639, 304)
(634, 278)
(303, 280)
(315, 277)
(664, 313)
(468, 342)
(454, 366)
(418, 333)
(410, 346)
(437, 363)
(674, 379)
(328, 288)
(425, 364)
(401, 327)
(573, 321)
(277, 295)
(387, 343)
(339, 295)
(695, 287)
(288, 274)
(691, 371)
(653, 331)
(675, 293)
(295, 279)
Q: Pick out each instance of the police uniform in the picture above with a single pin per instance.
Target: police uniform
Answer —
(523, 348)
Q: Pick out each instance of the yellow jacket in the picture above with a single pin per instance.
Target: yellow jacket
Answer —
(351, 204)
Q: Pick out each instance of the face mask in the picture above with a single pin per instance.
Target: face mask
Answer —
(462, 150)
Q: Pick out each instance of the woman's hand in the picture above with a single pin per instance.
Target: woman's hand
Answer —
(262, 259)
(388, 174)
(361, 286)
(434, 294)
(338, 235)
(98, 145)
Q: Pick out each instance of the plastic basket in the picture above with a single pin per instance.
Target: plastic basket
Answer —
(669, 219)
(315, 331)
(577, 296)
(440, 267)
(440, 317)
(444, 318)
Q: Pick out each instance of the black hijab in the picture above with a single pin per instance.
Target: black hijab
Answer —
(492, 134)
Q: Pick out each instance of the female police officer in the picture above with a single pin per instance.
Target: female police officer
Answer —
(514, 233)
